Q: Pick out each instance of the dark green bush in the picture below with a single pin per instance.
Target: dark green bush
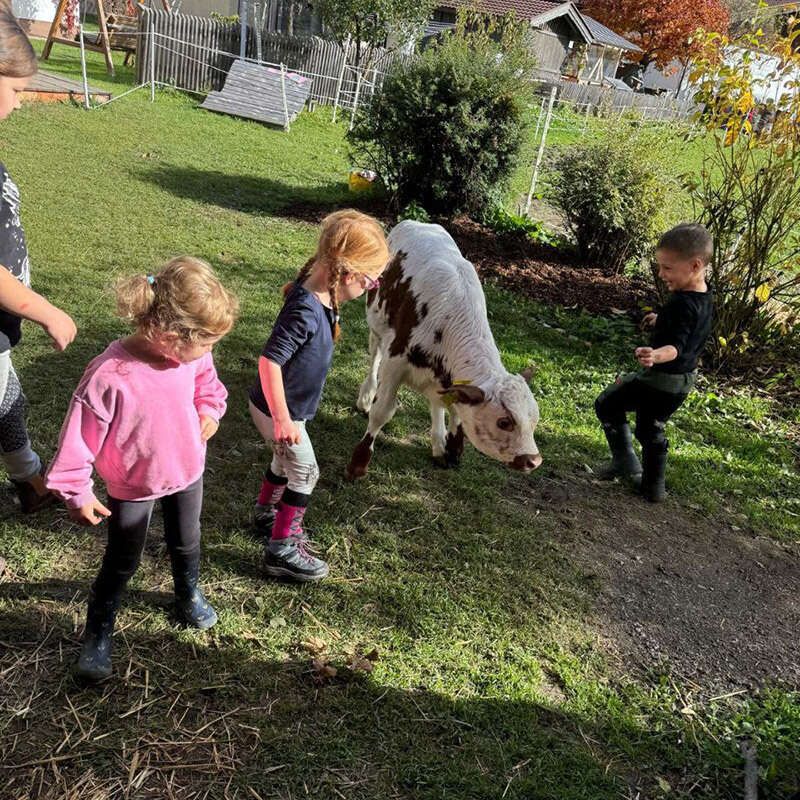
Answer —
(445, 131)
(612, 191)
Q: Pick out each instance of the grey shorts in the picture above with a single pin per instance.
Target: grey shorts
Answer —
(295, 462)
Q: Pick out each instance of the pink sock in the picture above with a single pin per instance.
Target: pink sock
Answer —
(270, 492)
(288, 521)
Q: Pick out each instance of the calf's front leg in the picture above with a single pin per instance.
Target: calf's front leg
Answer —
(366, 394)
(438, 431)
(454, 444)
(383, 407)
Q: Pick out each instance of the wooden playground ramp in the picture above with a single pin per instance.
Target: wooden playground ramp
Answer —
(266, 94)
(44, 87)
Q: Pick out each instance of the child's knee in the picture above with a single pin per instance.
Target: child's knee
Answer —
(311, 476)
(652, 434)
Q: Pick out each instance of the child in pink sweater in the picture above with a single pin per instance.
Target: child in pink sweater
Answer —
(141, 416)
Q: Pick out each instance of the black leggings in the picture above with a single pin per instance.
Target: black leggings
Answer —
(127, 532)
(653, 408)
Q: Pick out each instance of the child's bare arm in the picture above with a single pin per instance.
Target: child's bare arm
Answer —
(647, 356)
(271, 378)
(18, 299)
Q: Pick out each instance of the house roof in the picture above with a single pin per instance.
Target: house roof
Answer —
(540, 11)
(605, 35)
(524, 9)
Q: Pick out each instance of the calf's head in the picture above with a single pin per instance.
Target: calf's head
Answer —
(500, 422)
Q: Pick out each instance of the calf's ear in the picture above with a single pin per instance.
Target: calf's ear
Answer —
(464, 393)
(527, 373)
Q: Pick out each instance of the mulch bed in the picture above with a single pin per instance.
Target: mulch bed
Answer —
(538, 271)
(546, 274)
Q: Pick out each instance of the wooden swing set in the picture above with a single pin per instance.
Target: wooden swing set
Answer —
(116, 19)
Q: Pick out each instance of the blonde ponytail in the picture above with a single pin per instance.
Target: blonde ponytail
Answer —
(135, 298)
(184, 297)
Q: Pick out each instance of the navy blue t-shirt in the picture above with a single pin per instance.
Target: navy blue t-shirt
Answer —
(13, 249)
(301, 343)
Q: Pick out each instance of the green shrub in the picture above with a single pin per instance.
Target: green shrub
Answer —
(414, 211)
(612, 191)
(501, 220)
(747, 194)
(445, 131)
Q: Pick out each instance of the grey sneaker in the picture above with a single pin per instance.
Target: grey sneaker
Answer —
(263, 520)
(291, 558)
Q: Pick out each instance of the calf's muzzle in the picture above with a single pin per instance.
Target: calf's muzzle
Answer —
(526, 462)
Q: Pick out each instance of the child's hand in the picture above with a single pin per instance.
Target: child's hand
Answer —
(285, 431)
(60, 328)
(649, 320)
(208, 427)
(644, 355)
(90, 514)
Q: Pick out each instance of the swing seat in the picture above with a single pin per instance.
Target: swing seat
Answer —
(122, 32)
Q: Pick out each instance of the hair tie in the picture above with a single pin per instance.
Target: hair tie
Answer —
(151, 280)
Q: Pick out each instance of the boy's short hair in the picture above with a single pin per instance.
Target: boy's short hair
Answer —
(689, 240)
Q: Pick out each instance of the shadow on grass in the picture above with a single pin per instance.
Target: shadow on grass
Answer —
(208, 715)
(256, 194)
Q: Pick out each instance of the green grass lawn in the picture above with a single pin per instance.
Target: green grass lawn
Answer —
(490, 679)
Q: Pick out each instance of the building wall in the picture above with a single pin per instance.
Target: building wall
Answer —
(35, 15)
(204, 8)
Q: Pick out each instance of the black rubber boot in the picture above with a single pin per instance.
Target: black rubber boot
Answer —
(94, 663)
(191, 606)
(654, 464)
(624, 461)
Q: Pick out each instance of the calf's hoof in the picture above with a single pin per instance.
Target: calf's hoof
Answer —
(359, 461)
(355, 472)
(447, 460)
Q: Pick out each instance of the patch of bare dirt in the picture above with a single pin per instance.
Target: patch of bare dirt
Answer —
(721, 607)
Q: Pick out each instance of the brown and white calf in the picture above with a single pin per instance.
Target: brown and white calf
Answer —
(429, 330)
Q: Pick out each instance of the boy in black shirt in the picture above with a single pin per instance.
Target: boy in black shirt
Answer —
(669, 365)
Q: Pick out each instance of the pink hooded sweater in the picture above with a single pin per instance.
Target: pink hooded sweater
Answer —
(138, 424)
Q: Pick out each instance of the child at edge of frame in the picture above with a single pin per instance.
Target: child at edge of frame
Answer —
(668, 366)
(18, 301)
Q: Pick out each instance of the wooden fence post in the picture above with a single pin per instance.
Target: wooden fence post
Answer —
(152, 55)
(540, 154)
(539, 118)
(355, 98)
(283, 93)
(83, 58)
(341, 78)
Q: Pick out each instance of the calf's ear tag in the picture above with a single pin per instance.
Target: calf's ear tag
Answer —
(448, 398)
(462, 391)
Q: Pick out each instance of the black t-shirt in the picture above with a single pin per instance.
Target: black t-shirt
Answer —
(685, 323)
(13, 249)
(301, 343)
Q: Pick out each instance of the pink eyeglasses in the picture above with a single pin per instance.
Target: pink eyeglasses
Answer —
(371, 283)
